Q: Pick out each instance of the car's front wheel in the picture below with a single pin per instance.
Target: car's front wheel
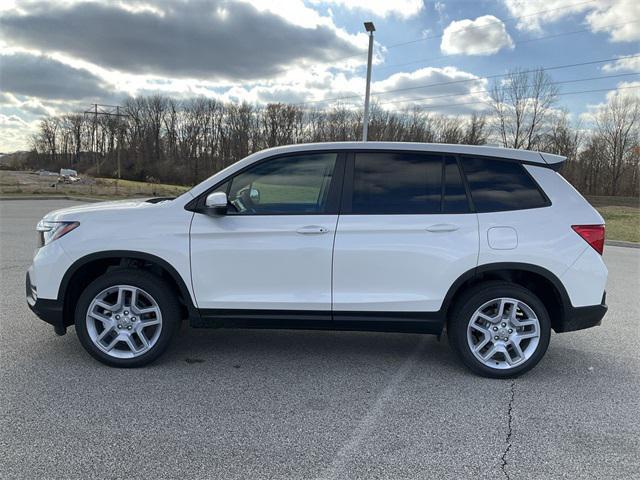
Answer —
(126, 318)
(499, 329)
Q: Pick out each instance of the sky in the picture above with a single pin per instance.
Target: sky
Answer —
(62, 56)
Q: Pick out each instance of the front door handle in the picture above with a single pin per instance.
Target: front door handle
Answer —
(312, 230)
(442, 227)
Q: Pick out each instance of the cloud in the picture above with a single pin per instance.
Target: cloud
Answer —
(602, 16)
(299, 88)
(317, 91)
(447, 89)
(30, 105)
(12, 121)
(208, 40)
(626, 91)
(43, 77)
(440, 8)
(623, 64)
(485, 35)
(380, 8)
(35, 107)
(8, 99)
(454, 87)
(530, 18)
(606, 18)
(16, 133)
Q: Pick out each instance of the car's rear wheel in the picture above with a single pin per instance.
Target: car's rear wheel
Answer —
(126, 318)
(499, 329)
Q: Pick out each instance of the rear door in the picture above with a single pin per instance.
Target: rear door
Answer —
(405, 234)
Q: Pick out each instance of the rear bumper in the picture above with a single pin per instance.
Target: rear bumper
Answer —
(51, 311)
(579, 318)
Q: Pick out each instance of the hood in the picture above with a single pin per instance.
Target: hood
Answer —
(76, 212)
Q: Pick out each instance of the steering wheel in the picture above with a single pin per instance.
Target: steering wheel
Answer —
(243, 202)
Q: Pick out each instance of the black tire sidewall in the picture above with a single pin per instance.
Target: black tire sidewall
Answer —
(471, 301)
(150, 283)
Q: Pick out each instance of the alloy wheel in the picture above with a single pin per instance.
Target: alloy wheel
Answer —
(503, 333)
(124, 321)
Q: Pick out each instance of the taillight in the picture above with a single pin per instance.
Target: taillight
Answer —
(592, 234)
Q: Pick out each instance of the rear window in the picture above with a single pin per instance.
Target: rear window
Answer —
(498, 185)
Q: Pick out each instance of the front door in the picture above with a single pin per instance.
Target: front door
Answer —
(273, 249)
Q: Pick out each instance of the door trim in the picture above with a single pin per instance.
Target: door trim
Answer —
(409, 322)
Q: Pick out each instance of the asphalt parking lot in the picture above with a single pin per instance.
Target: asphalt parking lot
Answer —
(226, 404)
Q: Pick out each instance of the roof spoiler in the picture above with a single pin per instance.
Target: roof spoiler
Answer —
(554, 162)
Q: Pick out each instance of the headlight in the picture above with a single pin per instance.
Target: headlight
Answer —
(50, 231)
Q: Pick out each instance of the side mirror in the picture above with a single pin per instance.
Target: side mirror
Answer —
(217, 203)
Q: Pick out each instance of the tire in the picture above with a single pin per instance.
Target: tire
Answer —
(155, 317)
(477, 314)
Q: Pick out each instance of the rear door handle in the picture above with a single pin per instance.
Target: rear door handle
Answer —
(443, 227)
(312, 230)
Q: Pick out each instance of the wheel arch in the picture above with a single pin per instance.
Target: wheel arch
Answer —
(543, 283)
(90, 267)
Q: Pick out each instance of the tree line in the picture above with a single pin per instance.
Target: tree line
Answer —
(162, 139)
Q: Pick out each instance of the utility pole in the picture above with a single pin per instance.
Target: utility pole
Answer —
(369, 27)
(119, 138)
(94, 139)
(108, 111)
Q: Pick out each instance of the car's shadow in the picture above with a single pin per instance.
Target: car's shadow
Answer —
(203, 345)
(211, 352)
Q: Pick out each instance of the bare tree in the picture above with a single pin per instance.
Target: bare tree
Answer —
(522, 104)
(476, 132)
(49, 130)
(184, 141)
(618, 126)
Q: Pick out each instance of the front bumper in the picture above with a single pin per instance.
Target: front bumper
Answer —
(579, 318)
(51, 311)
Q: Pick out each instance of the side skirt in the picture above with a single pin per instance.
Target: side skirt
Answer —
(408, 322)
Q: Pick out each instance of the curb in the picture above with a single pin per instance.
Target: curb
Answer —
(621, 243)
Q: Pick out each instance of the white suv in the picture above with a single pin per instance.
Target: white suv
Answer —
(490, 244)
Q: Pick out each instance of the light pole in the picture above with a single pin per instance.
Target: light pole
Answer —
(369, 27)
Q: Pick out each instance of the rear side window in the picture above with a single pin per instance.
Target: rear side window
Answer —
(498, 185)
(396, 183)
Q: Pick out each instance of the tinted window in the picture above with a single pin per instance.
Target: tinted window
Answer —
(399, 183)
(498, 185)
(455, 197)
(288, 185)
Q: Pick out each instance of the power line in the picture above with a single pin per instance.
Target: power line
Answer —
(519, 42)
(445, 105)
(557, 67)
(602, 77)
(430, 37)
(486, 77)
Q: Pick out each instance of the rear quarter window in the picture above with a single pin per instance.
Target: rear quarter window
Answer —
(500, 185)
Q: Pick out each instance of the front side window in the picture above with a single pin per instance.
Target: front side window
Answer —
(397, 183)
(499, 185)
(288, 185)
